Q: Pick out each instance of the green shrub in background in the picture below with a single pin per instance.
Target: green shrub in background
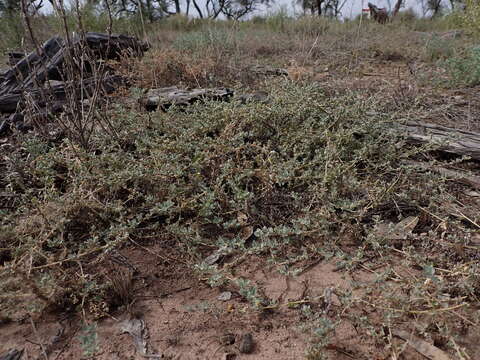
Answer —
(471, 16)
(406, 16)
(465, 70)
(14, 34)
(308, 25)
(12, 31)
(180, 22)
(279, 21)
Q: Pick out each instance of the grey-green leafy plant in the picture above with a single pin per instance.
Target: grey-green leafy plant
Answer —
(89, 340)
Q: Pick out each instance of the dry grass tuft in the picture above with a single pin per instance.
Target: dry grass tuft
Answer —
(122, 287)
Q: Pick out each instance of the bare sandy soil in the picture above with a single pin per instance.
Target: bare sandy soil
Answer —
(184, 318)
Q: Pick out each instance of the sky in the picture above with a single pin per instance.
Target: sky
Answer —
(351, 9)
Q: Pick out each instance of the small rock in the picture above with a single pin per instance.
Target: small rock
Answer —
(212, 259)
(228, 356)
(475, 240)
(225, 296)
(227, 339)
(472, 193)
(246, 344)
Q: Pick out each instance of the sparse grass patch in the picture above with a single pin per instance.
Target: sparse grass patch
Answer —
(208, 39)
(439, 49)
(169, 67)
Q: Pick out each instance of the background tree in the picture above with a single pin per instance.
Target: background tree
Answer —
(10, 7)
(331, 8)
(151, 10)
(397, 7)
(236, 9)
(231, 9)
(435, 7)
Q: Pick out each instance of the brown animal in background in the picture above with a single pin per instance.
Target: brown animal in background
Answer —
(377, 14)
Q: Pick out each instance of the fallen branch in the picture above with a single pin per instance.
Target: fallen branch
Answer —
(166, 97)
(429, 351)
(50, 101)
(455, 141)
(12, 354)
(46, 82)
(12, 102)
(471, 180)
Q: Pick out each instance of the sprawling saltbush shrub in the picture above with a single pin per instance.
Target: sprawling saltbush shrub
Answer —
(297, 169)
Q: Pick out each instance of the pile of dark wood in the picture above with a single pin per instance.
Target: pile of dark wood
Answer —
(60, 69)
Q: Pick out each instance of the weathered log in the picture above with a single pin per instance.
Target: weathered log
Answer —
(15, 119)
(12, 354)
(52, 100)
(14, 102)
(14, 57)
(30, 83)
(458, 142)
(459, 176)
(114, 46)
(4, 125)
(164, 98)
(48, 63)
(33, 66)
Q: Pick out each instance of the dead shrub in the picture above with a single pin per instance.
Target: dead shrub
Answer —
(169, 67)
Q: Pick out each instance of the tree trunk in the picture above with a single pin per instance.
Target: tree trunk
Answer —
(197, 8)
(319, 7)
(177, 7)
(396, 9)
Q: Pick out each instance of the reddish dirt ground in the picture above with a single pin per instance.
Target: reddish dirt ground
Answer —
(190, 323)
